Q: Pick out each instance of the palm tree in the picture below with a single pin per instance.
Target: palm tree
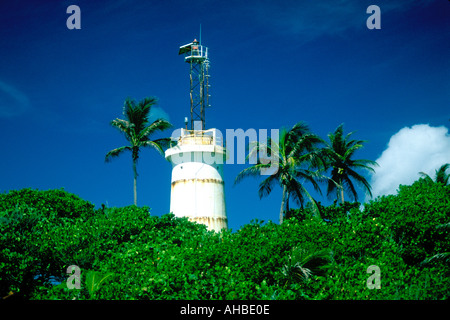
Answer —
(340, 151)
(440, 175)
(137, 129)
(297, 155)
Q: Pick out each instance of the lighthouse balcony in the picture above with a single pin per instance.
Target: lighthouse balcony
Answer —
(194, 51)
(200, 137)
(191, 144)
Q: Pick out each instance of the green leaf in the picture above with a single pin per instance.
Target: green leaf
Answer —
(94, 279)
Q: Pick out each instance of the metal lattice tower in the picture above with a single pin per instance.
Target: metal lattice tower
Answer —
(197, 57)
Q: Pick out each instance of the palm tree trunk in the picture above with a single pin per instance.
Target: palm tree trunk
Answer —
(283, 204)
(341, 189)
(135, 182)
(287, 202)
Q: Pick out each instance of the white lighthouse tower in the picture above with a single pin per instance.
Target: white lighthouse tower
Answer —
(197, 155)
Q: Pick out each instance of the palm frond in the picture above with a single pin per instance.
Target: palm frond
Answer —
(252, 171)
(260, 152)
(296, 191)
(266, 186)
(163, 142)
(299, 129)
(361, 181)
(442, 176)
(315, 207)
(444, 257)
(116, 152)
(310, 176)
(157, 125)
(443, 226)
(305, 144)
(313, 159)
(426, 177)
(365, 164)
(317, 261)
(332, 186)
(124, 126)
(349, 187)
(138, 114)
(302, 264)
(153, 144)
(351, 147)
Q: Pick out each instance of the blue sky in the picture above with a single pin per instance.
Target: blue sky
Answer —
(273, 63)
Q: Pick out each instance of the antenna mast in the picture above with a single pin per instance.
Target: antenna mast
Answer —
(197, 57)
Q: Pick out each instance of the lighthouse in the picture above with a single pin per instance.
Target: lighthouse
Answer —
(197, 154)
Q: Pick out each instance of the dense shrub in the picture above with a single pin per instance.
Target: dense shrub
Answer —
(413, 216)
(19, 257)
(125, 253)
(331, 213)
(52, 203)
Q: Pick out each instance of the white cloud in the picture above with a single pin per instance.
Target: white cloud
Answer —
(410, 151)
(12, 101)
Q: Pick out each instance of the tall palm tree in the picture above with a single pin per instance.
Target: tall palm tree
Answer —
(137, 129)
(440, 175)
(297, 156)
(340, 151)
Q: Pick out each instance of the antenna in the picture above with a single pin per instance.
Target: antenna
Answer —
(197, 57)
(200, 36)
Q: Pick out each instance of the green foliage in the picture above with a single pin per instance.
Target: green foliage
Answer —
(29, 225)
(331, 213)
(52, 203)
(302, 264)
(19, 259)
(94, 279)
(125, 253)
(414, 216)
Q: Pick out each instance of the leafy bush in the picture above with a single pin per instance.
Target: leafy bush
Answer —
(331, 213)
(52, 203)
(19, 259)
(125, 253)
(413, 216)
